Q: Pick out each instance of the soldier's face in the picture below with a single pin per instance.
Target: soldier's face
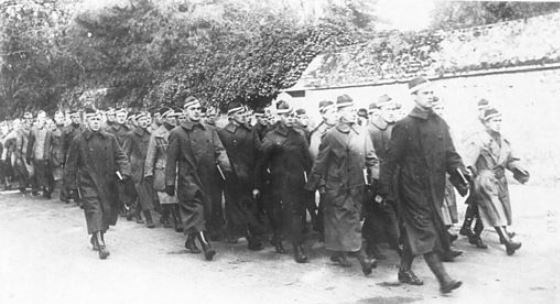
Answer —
(288, 119)
(494, 124)
(170, 120)
(348, 114)
(59, 118)
(27, 122)
(303, 120)
(181, 118)
(143, 122)
(75, 118)
(389, 112)
(330, 116)
(193, 113)
(121, 117)
(157, 118)
(424, 97)
(240, 117)
(111, 117)
(94, 122)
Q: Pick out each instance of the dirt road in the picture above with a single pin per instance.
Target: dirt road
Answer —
(46, 258)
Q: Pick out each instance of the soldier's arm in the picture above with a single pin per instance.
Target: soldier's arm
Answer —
(453, 160)
(173, 150)
(71, 166)
(372, 162)
(221, 155)
(150, 157)
(320, 166)
(267, 148)
(121, 158)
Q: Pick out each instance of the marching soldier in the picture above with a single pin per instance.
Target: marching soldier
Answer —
(345, 153)
(193, 153)
(154, 168)
(136, 147)
(285, 153)
(488, 154)
(242, 213)
(39, 154)
(381, 222)
(57, 156)
(93, 168)
(422, 149)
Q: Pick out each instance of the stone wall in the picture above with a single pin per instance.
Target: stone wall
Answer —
(529, 100)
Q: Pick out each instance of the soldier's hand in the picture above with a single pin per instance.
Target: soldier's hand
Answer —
(256, 193)
(170, 190)
(378, 199)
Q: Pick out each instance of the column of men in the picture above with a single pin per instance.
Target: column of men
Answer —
(381, 176)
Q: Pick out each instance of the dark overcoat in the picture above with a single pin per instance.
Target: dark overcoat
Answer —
(57, 155)
(344, 155)
(156, 157)
(136, 147)
(423, 151)
(91, 166)
(195, 149)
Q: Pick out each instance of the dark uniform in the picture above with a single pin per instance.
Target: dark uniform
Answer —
(127, 192)
(286, 154)
(241, 210)
(91, 166)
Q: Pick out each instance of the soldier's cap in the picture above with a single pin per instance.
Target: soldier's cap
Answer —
(344, 101)
(418, 83)
(178, 111)
(142, 114)
(326, 105)
(121, 110)
(165, 112)
(235, 107)
(363, 113)
(283, 107)
(110, 111)
(383, 100)
(491, 113)
(90, 112)
(190, 102)
(259, 113)
(27, 115)
(483, 104)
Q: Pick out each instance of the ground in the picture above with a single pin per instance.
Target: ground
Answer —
(47, 259)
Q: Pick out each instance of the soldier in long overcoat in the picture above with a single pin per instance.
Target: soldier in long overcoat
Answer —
(242, 213)
(489, 154)
(340, 172)
(18, 141)
(154, 167)
(423, 150)
(39, 154)
(381, 222)
(136, 147)
(93, 167)
(57, 155)
(194, 151)
(286, 155)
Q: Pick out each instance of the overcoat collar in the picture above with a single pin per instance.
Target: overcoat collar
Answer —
(189, 125)
(282, 129)
(346, 128)
(139, 131)
(420, 113)
(89, 133)
(231, 127)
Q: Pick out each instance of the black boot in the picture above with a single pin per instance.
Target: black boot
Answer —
(209, 252)
(511, 246)
(366, 263)
(446, 283)
(190, 244)
(165, 215)
(93, 242)
(406, 276)
(299, 253)
(278, 246)
(149, 221)
(475, 238)
(466, 228)
(102, 251)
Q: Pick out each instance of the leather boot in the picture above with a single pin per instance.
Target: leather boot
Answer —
(149, 221)
(190, 244)
(475, 238)
(165, 216)
(277, 243)
(510, 234)
(406, 276)
(93, 242)
(209, 252)
(341, 258)
(366, 263)
(511, 246)
(103, 253)
(299, 253)
(446, 283)
(466, 228)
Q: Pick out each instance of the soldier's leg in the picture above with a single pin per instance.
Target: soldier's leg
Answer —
(294, 212)
(446, 283)
(406, 275)
(145, 201)
(275, 215)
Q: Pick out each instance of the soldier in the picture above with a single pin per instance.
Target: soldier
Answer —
(19, 142)
(136, 147)
(285, 153)
(381, 222)
(345, 153)
(302, 123)
(154, 168)
(111, 118)
(39, 154)
(194, 151)
(422, 149)
(488, 154)
(242, 213)
(94, 165)
(57, 156)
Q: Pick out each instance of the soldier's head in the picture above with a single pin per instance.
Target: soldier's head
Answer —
(422, 92)
(59, 118)
(347, 111)
(75, 117)
(493, 120)
(143, 119)
(111, 115)
(387, 109)
(285, 113)
(302, 120)
(167, 116)
(237, 113)
(211, 115)
(260, 117)
(192, 109)
(121, 115)
(41, 119)
(93, 119)
(181, 116)
(328, 112)
(27, 120)
(482, 106)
